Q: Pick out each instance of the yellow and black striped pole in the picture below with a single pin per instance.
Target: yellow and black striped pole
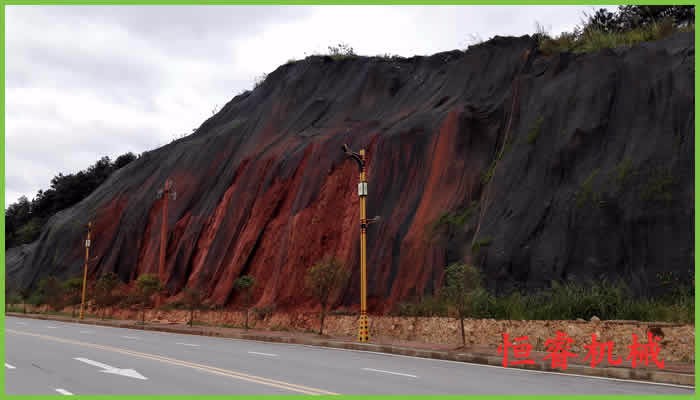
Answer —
(87, 255)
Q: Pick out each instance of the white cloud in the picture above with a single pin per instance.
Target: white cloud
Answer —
(83, 82)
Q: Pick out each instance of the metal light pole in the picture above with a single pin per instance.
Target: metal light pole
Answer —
(363, 330)
(166, 191)
(87, 254)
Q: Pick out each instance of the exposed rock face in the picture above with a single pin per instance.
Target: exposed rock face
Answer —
(593, 177)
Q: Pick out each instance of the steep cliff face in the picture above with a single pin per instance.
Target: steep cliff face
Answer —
(536, 167)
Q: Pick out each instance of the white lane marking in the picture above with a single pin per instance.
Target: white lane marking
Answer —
(51, 327)
(64, 392)
(188, 344)
(21, 323)
(93, 363)
(112, 370)
(130, 337)
(517, 370)
(9, 366)
(173, 361)
(484, 365)
(87, 332)
(263, 354)
(389, 372)
(464, 363)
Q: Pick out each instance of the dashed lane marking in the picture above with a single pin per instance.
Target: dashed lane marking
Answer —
(262, 354)
(389, 372)
(207, 368)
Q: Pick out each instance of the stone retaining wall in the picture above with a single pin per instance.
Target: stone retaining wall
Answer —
(677, 343)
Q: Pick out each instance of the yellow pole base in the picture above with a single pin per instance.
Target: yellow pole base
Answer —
(363, 332)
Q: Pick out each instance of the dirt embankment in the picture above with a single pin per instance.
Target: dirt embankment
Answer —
(677, 340)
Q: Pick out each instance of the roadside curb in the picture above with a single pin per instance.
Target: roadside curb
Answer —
(667, 377)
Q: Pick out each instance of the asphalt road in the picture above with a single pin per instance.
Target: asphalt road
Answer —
(48, 357)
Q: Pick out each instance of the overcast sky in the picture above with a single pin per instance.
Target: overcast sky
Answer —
(85, 82)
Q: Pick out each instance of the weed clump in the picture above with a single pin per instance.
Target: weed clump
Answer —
(567, 301)
(627, 26)
(480, 243)
(535, 131)
(341, 51)
(658, 188)
(586, 191)
(623, 171)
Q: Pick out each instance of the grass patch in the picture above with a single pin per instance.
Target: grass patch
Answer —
(623, 171)
(658, 188)
(479, 243)
(687, 28)
(590, 40)
(389, 56)
(488, 175)
(341, 51)
(567, 41)
(567, 301)
(259, 80)
(451, 220)
(586, 191)
(534, 132)
(506, 148)
(429, 306)
(456, 218)
(14, 308)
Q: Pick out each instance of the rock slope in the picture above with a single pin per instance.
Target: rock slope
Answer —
(534, 167)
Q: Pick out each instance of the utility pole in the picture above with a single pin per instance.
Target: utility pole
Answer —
(163, 193)
(87, 254)
(363, 329)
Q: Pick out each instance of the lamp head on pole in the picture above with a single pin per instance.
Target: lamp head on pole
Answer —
(357, 157)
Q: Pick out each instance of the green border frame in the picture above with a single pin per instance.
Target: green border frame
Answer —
(3, 3)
